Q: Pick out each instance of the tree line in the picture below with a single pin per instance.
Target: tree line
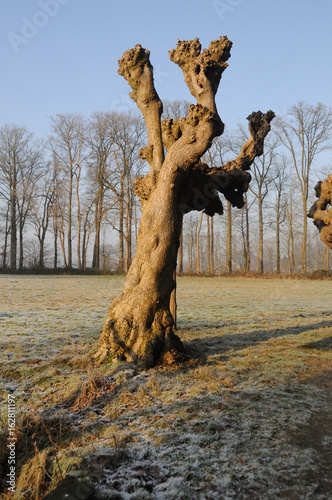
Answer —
(68, 200)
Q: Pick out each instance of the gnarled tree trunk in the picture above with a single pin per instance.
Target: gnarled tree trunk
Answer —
(320, 213)
(139, 326)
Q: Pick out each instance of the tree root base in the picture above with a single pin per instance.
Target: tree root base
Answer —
(175, 356)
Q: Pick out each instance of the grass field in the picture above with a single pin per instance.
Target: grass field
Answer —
(249, 417)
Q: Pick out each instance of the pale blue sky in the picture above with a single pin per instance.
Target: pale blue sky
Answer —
(60, 56)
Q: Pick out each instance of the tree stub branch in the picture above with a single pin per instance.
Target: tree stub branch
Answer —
(259, 126)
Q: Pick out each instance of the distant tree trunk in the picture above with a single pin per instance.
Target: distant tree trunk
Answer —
(98, 219)
(172, 302)
(244, 243)
(79, 220)
(13, 227)
(86, 235)
(180, 259)
(290, 216)
(69, 228)
(278, 268)
(304, 236)
(96, 246)
(84, 246)
(229, 239)
(260, 264)
(247, 262)
(55, 231)
(4, 254)
(293, 253)
(61, 234)
(128, 223)
(41, 254)
(21, 249)
(190, 250)
(327, 259)
(121, 231)
(198, 267)
(289, 256)
(280, 207)
(212, 249)
(208, 245)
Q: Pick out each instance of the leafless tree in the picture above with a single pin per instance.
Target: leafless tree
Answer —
(279, 184)
(100, 142)
(59, 210)
(292, 224)
(305, 131)
(263, 177)
(41, 204)
(128, 135)
(4, 216)
(244, 230)
(20, 161)
(229, 246)
(139, 326)
(67, 144)
(175, 110)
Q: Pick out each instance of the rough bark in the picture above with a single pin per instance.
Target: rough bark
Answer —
(139, 326)
(320, 211)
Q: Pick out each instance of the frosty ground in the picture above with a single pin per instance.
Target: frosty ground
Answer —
(249, 416)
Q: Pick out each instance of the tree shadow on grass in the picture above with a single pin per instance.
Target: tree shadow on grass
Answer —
(322, 345)
(202, 348)
(101, 391)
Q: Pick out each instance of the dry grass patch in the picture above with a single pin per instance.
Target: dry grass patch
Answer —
(92, 389)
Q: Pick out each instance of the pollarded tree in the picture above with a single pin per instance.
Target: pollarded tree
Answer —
(321, 210)
(139, 325)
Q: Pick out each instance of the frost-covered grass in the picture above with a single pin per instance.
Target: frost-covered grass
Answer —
(248, 417)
